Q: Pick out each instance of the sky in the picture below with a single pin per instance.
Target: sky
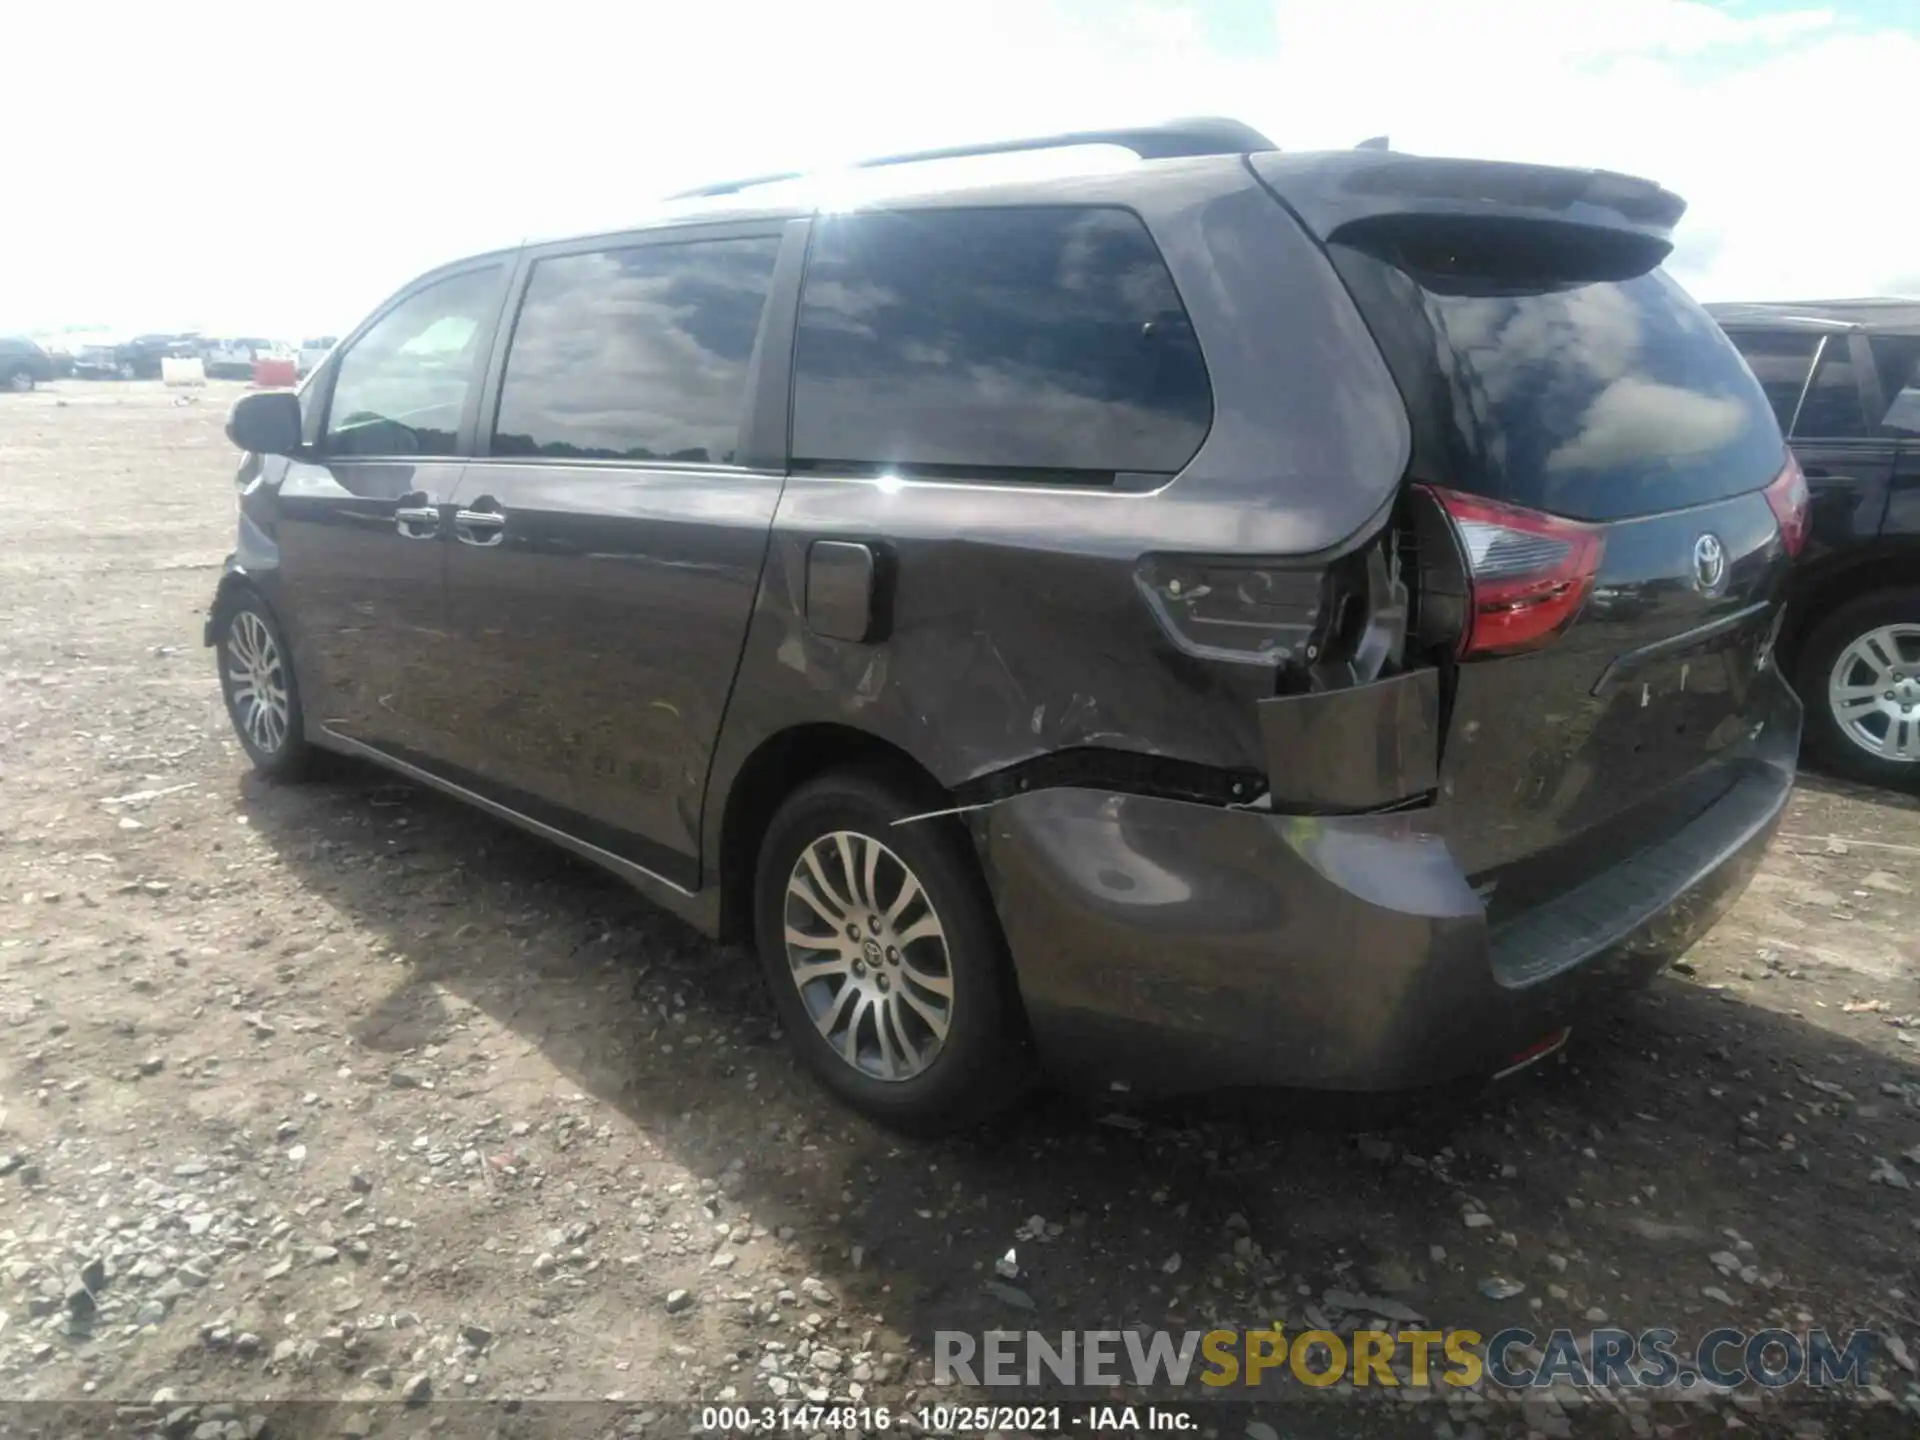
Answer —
(278, 168)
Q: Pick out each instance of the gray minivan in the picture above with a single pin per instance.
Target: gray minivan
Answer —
(1240, 618)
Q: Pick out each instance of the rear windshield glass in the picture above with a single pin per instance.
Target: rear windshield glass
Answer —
(1595, 400)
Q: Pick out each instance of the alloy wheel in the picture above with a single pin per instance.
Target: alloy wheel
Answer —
(1874, 693)
(257, 682)
(868, 954)
(20, 381)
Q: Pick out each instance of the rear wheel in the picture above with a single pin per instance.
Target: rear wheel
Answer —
(884, 955)
(263, 700)
(19, 380)
(1859, 678)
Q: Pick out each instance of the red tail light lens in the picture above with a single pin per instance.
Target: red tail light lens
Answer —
(1792, 506)
(1529, 573)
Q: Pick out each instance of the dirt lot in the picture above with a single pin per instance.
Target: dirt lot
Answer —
(343, 1093)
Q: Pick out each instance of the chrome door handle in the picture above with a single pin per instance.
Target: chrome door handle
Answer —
(417, 522)
(479, 527)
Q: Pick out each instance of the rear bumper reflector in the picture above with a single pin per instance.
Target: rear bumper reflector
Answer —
(1534, 1054)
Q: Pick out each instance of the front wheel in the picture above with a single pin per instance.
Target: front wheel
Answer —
(1860, 681)
(263, 700)
(885, 957)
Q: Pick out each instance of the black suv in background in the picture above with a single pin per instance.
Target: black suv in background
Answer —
(1844, 380)
(1246, 618)
(135, 359)
(23, 364)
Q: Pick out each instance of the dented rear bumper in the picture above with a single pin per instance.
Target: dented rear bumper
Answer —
(1166, 945)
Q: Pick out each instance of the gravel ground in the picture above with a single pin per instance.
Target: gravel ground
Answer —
(342, 1093)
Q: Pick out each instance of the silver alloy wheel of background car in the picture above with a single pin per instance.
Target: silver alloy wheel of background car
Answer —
(1874, 693)
(258, 682)
(868, 954)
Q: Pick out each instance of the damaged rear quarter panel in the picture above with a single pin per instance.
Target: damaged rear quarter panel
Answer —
(1015, 623)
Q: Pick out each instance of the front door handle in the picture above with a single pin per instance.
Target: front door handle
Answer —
(415, 520)
(481, 523)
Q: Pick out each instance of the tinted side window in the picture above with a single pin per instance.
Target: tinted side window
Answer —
(402, 387)
(1898, 359)
(1832, 407)
(636, 354)
(1779, 361)
(1034, 341)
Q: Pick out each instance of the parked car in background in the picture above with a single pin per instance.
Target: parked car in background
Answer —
(312, 351)
(234, 359)
(1844, 379)
(135, 359)
(1209, 620)
(23, 364)
(101, 360)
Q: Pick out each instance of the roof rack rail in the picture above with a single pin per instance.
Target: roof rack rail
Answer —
(1206, 135)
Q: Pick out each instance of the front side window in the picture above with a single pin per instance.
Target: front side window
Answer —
(1779, 361)
(637, 354)
(1832, 410)
(1045, 343)
(403, 385)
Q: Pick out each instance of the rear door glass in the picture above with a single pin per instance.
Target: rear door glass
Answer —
(1832, 408)
(1897, 357)
(1043, 343)
(637, 354)
(1780, 361)
(1596, 400)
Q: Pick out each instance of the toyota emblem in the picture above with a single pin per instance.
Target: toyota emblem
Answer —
(1709, 563)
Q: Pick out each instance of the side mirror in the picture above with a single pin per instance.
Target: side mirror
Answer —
(266, 423)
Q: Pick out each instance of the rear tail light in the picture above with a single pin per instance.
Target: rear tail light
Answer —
(1791, 505)
(1528, 573)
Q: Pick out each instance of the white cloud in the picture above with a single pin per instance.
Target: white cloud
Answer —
(1749, 120)
(280, 166)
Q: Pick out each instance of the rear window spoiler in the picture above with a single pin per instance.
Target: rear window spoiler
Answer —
(1345, 191)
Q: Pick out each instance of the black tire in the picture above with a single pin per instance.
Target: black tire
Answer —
(19, 380)
(279, 749)
(982, 1063)
(1826, 732)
